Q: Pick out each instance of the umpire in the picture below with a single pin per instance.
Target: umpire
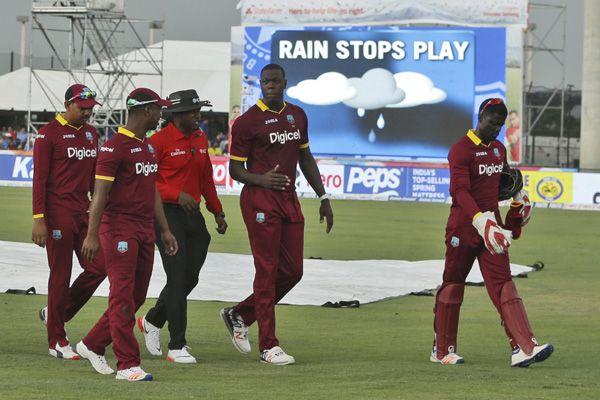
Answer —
(185, 175)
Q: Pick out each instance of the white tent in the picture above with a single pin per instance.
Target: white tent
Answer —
(204, 66)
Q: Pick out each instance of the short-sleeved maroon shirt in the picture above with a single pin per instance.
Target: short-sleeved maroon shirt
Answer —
(130, 164)
(264, 138)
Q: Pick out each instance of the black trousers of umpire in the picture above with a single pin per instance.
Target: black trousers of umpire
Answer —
(182, 271)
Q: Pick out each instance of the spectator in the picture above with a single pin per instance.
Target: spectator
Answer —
(9, 142)
(22, 137)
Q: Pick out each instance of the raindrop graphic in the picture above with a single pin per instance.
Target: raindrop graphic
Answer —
(372, 136)
(360, 112)
(380, 122)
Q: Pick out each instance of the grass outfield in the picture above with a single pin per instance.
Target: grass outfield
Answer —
(379, 351)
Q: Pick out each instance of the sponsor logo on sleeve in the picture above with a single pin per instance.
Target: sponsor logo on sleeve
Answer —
(107, 149)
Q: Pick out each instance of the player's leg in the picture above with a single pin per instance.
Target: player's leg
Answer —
(59, 249)
(495, 269)
(449, 297)
(90, 278)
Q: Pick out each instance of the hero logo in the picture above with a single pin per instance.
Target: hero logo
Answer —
(107, 149)
(80, 154)
(489, 170)
(145, 168)
(373, 179)
(284, 137)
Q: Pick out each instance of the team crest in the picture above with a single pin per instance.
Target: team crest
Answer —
(89, 136)
(291, 119)
(496, 152)
(454, 242)
(260, 217)
(150, 148)
(122, 247)
(56, 234)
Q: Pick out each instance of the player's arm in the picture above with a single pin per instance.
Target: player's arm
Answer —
(91, 244)
(309, 168)
(270, 180)
(42, 157)
(167, 237)
(213, 204)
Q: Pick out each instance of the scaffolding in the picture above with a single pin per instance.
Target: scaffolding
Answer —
(545, 42)
(96, 44)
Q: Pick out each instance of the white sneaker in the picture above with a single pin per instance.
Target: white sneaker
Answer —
(276, 356)
(134, 374)
(43, 315)
(181, 356)
(448, 359)
(237, 330)
(65, 352)
(540, 353)
(151, 335)
(98, 361)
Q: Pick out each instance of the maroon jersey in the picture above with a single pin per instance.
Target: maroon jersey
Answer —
(130, 164)
(264, 138)
(64, 158)
(475, 170)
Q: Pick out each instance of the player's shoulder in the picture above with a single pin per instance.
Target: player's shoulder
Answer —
(464, 143)
(49, 129)
(112, 146)
(251, 115)
(294, 108)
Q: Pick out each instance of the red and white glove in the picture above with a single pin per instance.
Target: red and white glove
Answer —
(521, 200)
(495, 238)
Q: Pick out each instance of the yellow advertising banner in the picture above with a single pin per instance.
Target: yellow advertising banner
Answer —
(549, 186)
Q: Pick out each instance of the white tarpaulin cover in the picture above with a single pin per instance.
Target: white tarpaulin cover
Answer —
(228, 277)
(204, 66)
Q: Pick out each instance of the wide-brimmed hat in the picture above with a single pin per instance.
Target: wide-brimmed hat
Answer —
(186, 100)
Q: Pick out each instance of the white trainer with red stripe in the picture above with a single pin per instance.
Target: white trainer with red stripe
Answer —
(276, 356)
(448, 359)
(181, 356)
(134, 374)
(64, 352)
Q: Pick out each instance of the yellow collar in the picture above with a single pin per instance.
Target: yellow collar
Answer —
(61, 120)
(128, 133)
(263, 107)
(475, 139)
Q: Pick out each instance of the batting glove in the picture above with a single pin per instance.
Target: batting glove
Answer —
(495, 238)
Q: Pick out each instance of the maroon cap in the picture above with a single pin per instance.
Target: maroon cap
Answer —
(82, 95)
(142, 96)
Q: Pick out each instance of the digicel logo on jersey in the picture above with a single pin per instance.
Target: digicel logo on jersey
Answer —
(145, 168)
(275, 137)
(80, 154)
(489, 170)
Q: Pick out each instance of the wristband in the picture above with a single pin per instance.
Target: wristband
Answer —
(326, 196)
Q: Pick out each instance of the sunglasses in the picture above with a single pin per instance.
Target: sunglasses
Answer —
(85, 95)
(135, 103)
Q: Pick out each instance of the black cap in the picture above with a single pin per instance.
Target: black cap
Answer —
(186, 100)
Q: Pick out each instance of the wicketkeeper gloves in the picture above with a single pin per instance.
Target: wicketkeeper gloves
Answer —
(521, 201)
(495, 238)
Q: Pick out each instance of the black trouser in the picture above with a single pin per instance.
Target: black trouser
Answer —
(182, 271)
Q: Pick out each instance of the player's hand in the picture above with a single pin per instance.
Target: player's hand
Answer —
(188, 203)
(495, 238)
(39, 232)
(90, 247)
(274, 180)
(521, 200)
(221, 223)
(170, 243)
(325, 213)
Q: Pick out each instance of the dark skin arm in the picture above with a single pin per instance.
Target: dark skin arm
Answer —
(309, 168)
(271, 180)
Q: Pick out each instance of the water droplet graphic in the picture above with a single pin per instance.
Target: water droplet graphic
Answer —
(372, 136)
(380, 122)
(360, 112)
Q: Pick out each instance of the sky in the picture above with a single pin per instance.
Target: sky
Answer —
(210, 20)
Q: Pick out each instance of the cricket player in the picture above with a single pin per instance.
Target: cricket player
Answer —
(475, 230)
(127, 200)
(64, 159)
(269, 140)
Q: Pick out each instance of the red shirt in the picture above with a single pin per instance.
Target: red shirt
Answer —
(184, 166)
(474, 177)
(130, 164)
(64, 158)
(264, 138)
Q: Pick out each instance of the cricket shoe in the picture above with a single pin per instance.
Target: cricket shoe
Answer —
(540, 353)
(98, 361)
(43, 315)
(181, 356)
(64, 352)
(134, 374)
(237, 329)
(448, 359)
(151, 336)
(276, 356)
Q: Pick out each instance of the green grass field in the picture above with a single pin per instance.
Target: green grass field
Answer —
(379, 351)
